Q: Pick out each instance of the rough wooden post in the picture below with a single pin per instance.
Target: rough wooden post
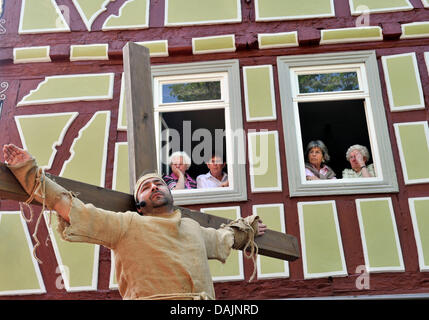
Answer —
(139, 103)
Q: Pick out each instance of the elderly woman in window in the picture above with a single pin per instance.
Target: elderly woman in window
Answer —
(179, 163)
(316, 156)
(358, 156)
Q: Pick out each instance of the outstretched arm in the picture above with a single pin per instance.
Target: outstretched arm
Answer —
(17, 158)
(78, 222)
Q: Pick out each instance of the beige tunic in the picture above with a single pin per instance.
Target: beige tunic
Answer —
(153, 254)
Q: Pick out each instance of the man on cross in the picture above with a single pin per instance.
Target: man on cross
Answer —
(158, 253)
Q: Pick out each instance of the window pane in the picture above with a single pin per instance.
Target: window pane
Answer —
(193, 91)
(199, 133)
(338, 129)
(328, 82)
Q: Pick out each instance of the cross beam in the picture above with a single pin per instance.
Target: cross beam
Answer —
(272, 244)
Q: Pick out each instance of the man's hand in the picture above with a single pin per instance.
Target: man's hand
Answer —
(14, 155)
(360, 159)
(181, 181)
(261, 228)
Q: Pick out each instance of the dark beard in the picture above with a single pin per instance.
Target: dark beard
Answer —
(161, 203)
(165, 200)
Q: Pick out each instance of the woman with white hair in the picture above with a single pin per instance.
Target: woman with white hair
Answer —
(316, 156)
(358, 155)
(179, 163)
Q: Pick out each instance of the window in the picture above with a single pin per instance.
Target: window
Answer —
(197, 109)
(335, 98)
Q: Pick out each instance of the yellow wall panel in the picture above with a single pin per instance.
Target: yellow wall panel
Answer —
(89, 52)
(192, 12)
(121, 179)
(133, 14)
(41, 133)
(413, 145)
(122, 112)
(273, 216)
(232, 269)
(90, 10)
(322, 249)
(267, 10)
(415, 30)
(19, 270)
(278, 40)
(358, 7)
(259, 93)
(87, 162)
(225, 43)
(264, 161)
(380, 241)
(157, 48)
(419, 209)
(345, 35)
(41, 16)
(404, 88)
(31, 54)
(71, 88)
(78, 262)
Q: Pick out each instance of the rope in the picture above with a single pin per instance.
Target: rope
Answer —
(40, 183)
(245, 226)
(253, 252)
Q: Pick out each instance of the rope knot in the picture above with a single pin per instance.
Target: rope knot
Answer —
(245, 238)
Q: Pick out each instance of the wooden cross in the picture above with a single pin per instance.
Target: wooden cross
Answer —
(142, 157)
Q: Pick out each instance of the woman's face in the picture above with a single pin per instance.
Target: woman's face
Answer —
(178, 163)
(315, 156)
(356, 159)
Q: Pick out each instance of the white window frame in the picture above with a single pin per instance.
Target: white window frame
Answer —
(365, 64)
(227, 71)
